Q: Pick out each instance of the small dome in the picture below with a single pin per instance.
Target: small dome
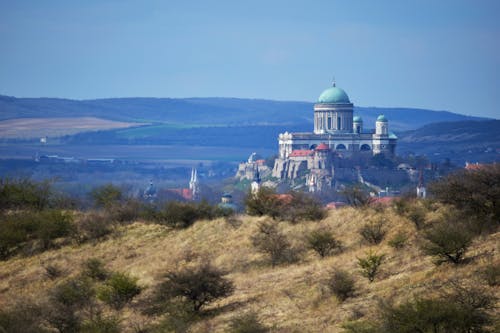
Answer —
(382, 118)
(357, 119)
(334, 95)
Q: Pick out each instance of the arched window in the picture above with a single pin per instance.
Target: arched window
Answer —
(365, 147)
(340, 147)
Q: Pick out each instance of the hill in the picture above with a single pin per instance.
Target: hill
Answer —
(459, 141)
(429, 265)
(289, 297)
(207, 111)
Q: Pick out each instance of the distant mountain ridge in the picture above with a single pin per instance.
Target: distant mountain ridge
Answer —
(458, 141)
(210, 111)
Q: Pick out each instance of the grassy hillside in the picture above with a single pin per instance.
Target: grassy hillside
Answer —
(287, 298)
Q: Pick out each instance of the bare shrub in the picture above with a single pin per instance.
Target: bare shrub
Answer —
(447, 242)
(274, 243)
(491, 274)
(292, 207)
(341, 284)
(94, 269)
(67, 303)
(247, 323)
(53, 271)
(22, 316)
(323, 242)
(93, 226)
(118, 290)
(356, 196)
(100, 324)
(198, 286)
(417, 215)
(399, 240)
(474, 193)
(374, 231)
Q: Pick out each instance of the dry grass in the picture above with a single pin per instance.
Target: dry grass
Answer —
(289, 298)
(53, 127)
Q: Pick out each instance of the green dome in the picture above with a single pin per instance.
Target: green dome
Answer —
(334, 95)
(357, 119)
(382, 118)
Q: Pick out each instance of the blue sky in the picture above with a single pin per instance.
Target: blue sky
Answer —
(441, 55)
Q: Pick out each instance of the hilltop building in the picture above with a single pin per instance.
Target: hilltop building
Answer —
(246, 170)
(227, 202)
(336, 133)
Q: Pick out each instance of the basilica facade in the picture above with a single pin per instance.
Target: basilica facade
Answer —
(337, 132)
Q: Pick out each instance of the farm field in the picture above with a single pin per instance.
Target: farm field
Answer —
(39, 127)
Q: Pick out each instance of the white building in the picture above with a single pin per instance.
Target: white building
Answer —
(337, 128)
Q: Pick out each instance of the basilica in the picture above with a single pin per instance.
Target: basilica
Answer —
(337, 133)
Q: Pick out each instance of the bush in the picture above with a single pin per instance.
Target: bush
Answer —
(446, 241)
(94, 269)
(356, 197)
(67, 300)
(341, 284)
(302, 207)
(93, 226)
(22, 317)
(399, 240)
(101, 324)
(491, 274)
(461, 309)
(416, 214)
(17, 229)
(247, 323)
(293, 207)
(118, 290)
(264, 202)
(52, 224)
(361, 326)
(106, 195)
(12, 235)
(53, 271)
(473, 192)
(323, 242)
(435, 315)
(183, 214)
(24, 194)
(373, 232)
(198, 286)
(370, 265)
(271, 241)
(179, 315)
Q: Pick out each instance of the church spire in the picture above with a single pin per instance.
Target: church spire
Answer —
(193, 184)
(334, 84)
